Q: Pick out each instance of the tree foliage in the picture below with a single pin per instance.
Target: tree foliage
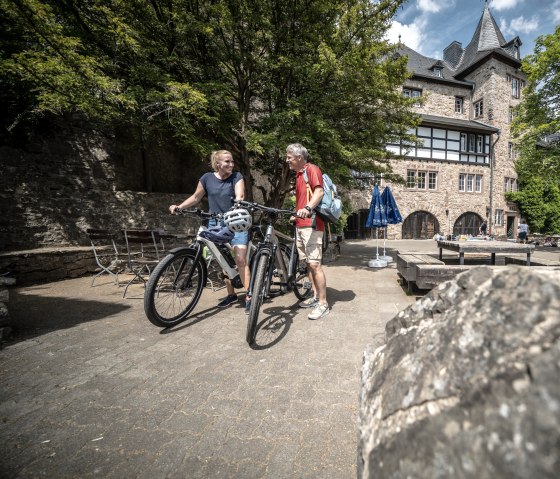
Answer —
(247, 75)
(537, 129)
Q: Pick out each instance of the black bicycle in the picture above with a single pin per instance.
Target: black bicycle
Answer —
(275, 266)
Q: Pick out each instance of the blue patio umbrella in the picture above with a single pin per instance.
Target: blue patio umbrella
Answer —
(393, 215)
(376, 219)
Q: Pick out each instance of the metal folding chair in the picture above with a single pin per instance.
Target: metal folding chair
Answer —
(143, 249)
(107, 256)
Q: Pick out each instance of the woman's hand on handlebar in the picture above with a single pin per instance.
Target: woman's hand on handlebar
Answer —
(172, 209)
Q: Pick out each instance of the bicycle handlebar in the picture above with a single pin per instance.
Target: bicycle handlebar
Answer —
(265, 209)
(197, 212)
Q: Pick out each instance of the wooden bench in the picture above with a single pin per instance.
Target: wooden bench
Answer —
(428, 276)
(407, 262)
(522, 260)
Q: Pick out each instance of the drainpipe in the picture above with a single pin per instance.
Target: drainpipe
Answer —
(492, 159)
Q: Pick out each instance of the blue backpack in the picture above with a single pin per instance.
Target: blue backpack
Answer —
(330, 207)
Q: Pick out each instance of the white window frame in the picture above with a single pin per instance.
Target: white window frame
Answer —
(478, 108)
(421, 180)
(459, 102)
(470, 183)
(411, 184)
(499, 218)
(462, 182)
(478, 183)
(432, 180)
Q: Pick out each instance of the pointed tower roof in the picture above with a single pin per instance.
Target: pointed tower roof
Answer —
(486, 40)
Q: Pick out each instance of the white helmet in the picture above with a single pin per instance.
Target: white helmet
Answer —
(238, 220)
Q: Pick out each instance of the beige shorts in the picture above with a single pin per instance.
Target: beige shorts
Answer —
(309, 244)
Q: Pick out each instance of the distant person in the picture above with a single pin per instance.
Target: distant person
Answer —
(221, 186)
(483, 228)
(523, 230)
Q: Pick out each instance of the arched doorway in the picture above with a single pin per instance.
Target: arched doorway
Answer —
(420, 225)
(467, 224)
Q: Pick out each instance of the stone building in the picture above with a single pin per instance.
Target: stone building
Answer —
(457, 176)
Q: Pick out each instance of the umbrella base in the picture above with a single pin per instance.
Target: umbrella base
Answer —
(389, 259)
(377, 263)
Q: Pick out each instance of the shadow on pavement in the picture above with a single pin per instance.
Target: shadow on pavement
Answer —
(34, 315)
(274, 325)
(192, 320)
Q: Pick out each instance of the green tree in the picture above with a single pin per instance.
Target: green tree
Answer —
(247, 75)
(537, 129)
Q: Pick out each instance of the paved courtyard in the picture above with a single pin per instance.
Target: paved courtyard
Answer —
(90, 388)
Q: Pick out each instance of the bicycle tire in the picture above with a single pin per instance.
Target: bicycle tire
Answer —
(167, 300)
(257, 297)
(302, 287)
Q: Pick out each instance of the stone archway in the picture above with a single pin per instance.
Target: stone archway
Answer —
(420, 225)
(467, 224)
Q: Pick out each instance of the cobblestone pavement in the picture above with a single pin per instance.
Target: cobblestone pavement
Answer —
(90, 388)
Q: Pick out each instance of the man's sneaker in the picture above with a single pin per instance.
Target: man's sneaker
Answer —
(309, 303)
(319, 311)
(230, 298)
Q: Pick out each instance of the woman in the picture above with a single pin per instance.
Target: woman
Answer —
(220, 187)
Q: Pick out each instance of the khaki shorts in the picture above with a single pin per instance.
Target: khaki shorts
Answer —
(309, 244)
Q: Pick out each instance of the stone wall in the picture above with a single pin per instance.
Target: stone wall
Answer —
(67, 180)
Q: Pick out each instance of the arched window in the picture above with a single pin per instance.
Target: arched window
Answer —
(420, 225)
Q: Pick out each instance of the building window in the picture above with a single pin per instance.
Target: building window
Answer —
(511, 114)
(479, 144)
(516, 85)
(412, 93)
(462, 178)
(411, 179)
(432, 180)
(458, 104)
(499, 220)
(463, 142)
(478, 183)
(417, 179)
(470, 183)
(510, 184)
(513, 152)
(478, 108)
(472, 140)
(438, 72)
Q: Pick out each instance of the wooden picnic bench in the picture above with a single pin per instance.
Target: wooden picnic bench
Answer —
(428, 276)
(534, 261)
(407, 262)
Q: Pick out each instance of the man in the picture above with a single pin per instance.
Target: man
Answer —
(523, 229)
(483, 228)
(309, 226)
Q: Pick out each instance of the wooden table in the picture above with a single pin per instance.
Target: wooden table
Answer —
(481, 246)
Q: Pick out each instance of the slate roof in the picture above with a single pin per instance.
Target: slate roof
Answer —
(487, 40)
(471, 125)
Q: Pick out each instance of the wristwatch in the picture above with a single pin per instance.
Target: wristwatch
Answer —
(308, 208)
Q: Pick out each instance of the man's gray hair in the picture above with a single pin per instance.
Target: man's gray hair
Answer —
(297, 149)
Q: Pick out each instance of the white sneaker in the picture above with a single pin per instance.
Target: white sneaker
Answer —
(319, 311)
(309, 303)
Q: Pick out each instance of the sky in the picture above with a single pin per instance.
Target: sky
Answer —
(428, 26)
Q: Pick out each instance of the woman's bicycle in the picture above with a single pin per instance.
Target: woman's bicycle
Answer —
(274, 264)
(175, 285)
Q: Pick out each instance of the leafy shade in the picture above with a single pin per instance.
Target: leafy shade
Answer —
(537, 121)
(248, 75)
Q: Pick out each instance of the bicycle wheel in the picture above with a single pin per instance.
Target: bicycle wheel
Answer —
(303, 288)
(277, 277)
(174, 288)
(257, 297)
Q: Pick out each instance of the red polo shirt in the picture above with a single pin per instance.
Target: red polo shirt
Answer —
(315, 177)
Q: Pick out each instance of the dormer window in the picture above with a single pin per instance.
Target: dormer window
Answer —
(438, 72)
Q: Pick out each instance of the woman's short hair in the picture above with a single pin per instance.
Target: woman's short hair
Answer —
(215, 158)
(297, 149)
